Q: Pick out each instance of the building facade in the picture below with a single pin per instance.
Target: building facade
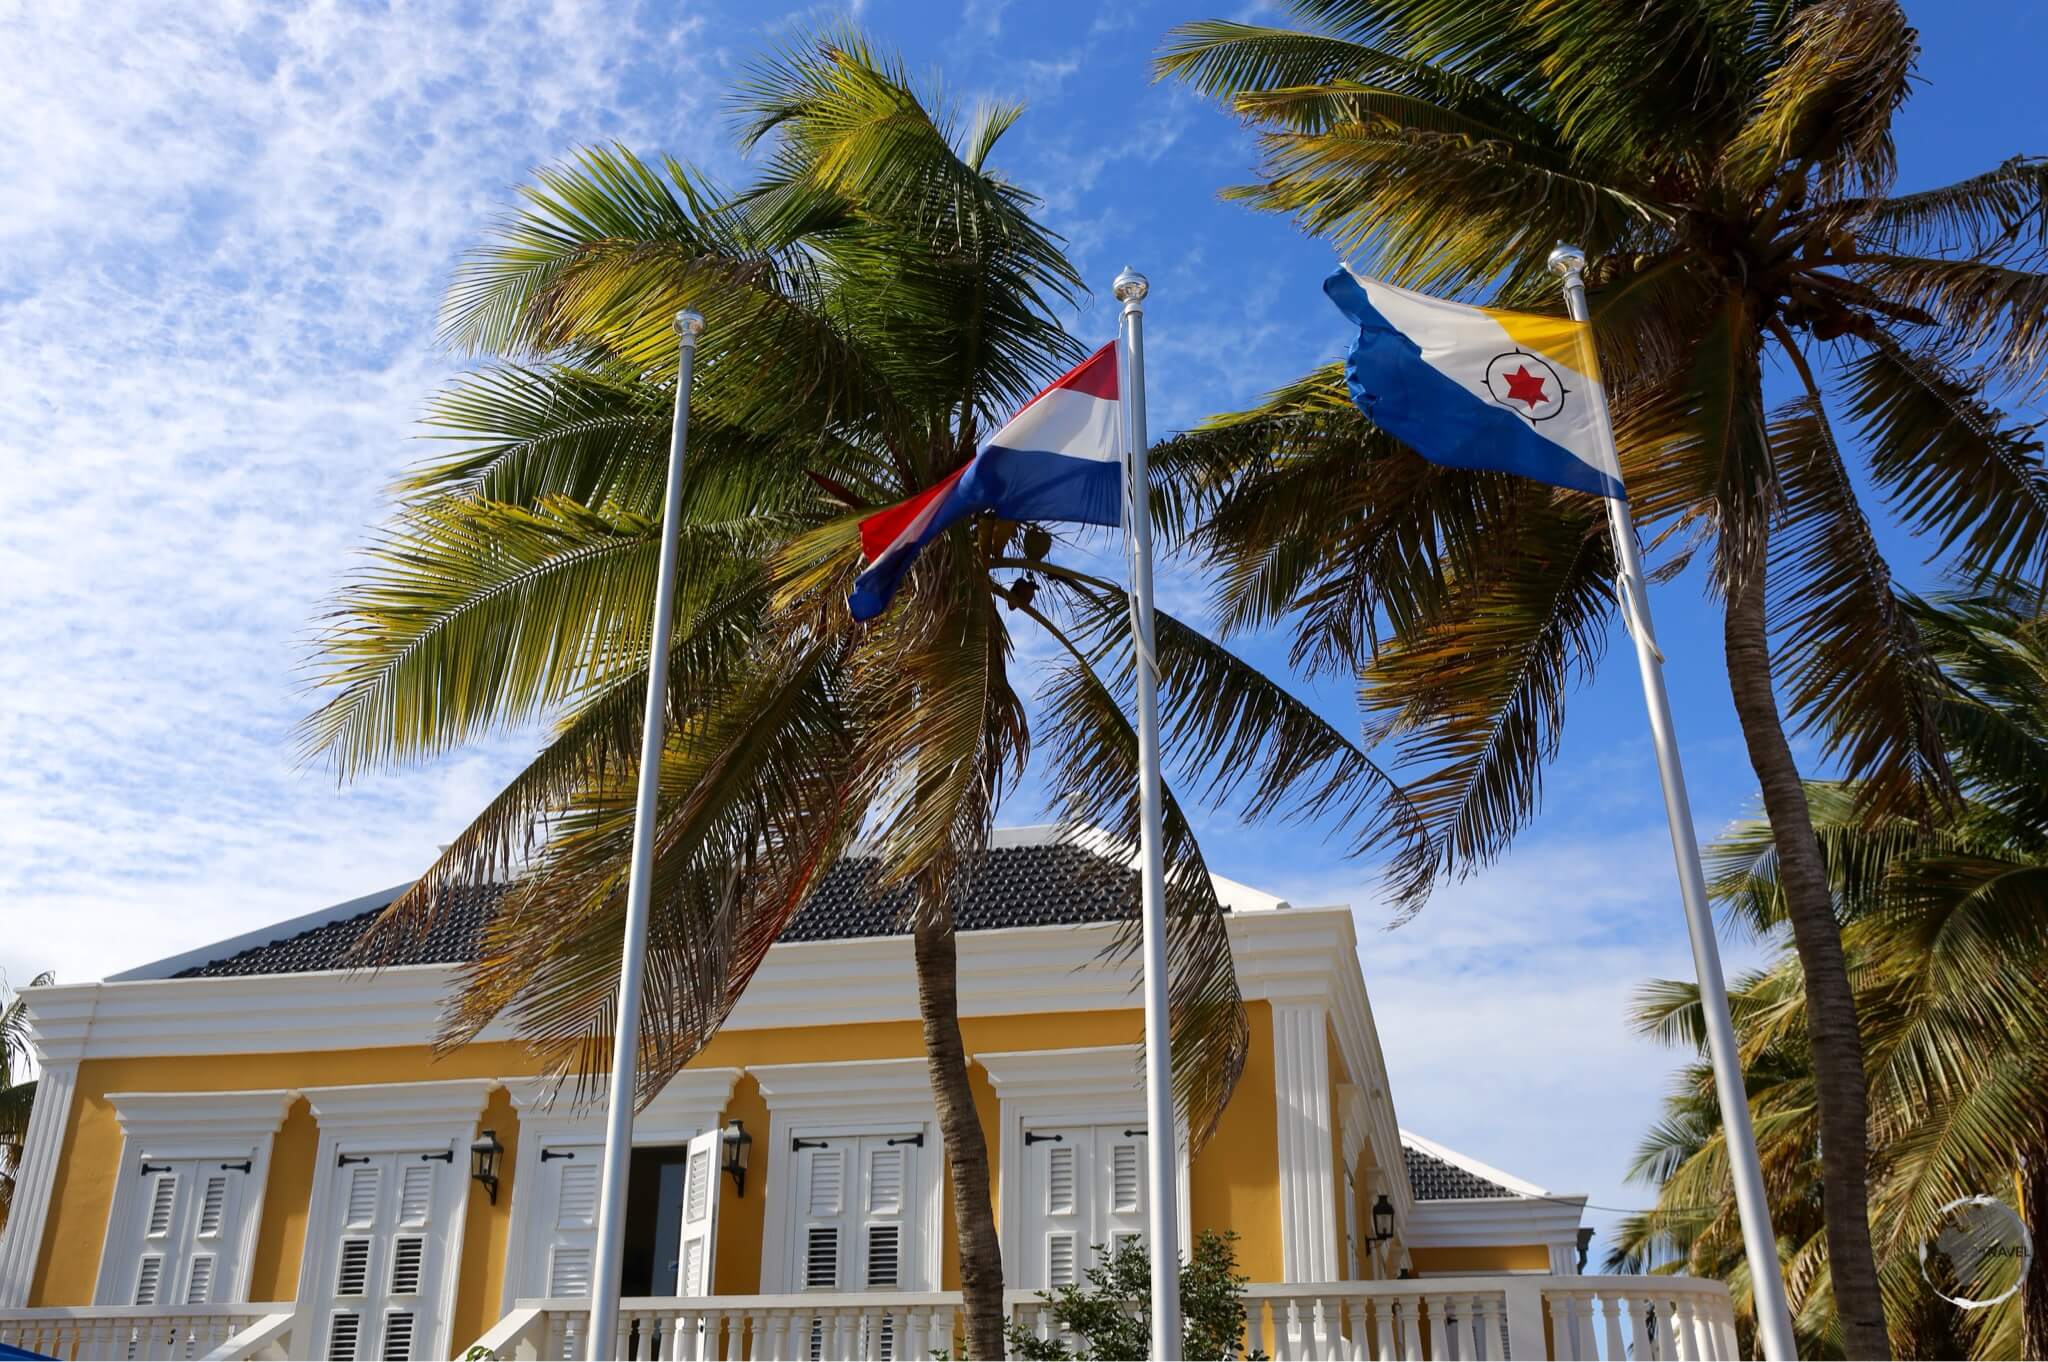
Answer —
(258, 1137)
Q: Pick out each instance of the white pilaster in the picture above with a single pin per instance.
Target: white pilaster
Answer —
(1308, 1177)
(22, 1240)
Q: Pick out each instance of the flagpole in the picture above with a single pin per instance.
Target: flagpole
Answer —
(618, 1125)
(1162, 1135)
(1767, 1282)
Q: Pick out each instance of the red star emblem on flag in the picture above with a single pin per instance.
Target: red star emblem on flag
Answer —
(1525, 387)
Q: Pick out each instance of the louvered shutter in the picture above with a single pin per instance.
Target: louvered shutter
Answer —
(163, 1241)
(1059, 1167)
(1084, 1193)
(887, 1219)
(1122, 1209)
(822, 1205)
(696, 1246)
(183, 1235)
(389, 1215)
(216, 1230)
(562, 1256)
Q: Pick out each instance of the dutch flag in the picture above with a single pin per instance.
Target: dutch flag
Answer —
(1057, 459)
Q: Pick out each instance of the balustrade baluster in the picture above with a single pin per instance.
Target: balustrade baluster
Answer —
(1583, 1329)
(1704, 1344)
(1611, 1308)
(1681, 1330)
(1358, 1315)
(1411, 1329)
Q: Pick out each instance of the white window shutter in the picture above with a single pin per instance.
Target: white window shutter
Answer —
(1056, 1199)
(888, 1193)
(163, 1204)
(560, 1259)
(389, 1217)
(823, 1219)
(1121, 1210)
(182, 1234)
(698, 1243)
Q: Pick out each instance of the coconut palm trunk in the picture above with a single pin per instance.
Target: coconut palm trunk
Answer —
(2034, 1290)
(1839, 1081)
(981, 1256)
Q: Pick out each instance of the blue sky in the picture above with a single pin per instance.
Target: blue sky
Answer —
(224, 230)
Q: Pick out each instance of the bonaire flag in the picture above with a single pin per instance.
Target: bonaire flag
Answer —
(1057, 459)
(1476, 387)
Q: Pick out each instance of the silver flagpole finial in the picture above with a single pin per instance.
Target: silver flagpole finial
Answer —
(1567, 261)
(689, 324)
(1131, 286)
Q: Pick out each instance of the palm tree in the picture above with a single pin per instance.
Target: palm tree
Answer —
(876, 299)
(17, 1094)
(1728, 167)
(1946, 933)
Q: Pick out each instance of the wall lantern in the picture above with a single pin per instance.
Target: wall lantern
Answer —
(483, 1162)
(739, 1147)
(1383, 1219)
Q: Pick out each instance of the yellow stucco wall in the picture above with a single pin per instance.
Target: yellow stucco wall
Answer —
(1443, 1262)
(1233, 1181)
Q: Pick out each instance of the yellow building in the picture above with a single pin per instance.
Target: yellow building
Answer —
(248, 1151)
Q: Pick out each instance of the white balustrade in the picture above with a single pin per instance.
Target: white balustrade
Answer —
(141, 1333)
(1523, 1317)
(1651, 1319)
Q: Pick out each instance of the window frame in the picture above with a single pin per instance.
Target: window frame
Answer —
(173, 1127)
(384, 1118)
(1084, 1086)
(890, 1097)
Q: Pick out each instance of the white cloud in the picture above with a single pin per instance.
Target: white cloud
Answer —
(223, 236)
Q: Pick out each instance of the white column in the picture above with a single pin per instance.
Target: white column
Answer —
(1564, 1259)
(1308, 1186)
(22, 1240)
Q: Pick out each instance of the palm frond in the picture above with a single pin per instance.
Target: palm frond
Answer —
(472, 615)
(1950, 465)
(1478, 693)
(1854, 666)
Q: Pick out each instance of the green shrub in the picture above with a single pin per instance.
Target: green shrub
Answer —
(1110, 1314)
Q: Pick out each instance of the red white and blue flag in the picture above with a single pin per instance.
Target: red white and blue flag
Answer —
(1057, 459)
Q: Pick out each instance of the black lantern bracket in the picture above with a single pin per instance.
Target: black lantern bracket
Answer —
(483, 1162)
(737, 1147)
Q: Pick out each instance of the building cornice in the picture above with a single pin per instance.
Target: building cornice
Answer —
(1491, 1221)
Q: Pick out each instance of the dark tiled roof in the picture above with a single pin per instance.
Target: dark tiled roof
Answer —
(1434, 1179)
(1024, 886)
